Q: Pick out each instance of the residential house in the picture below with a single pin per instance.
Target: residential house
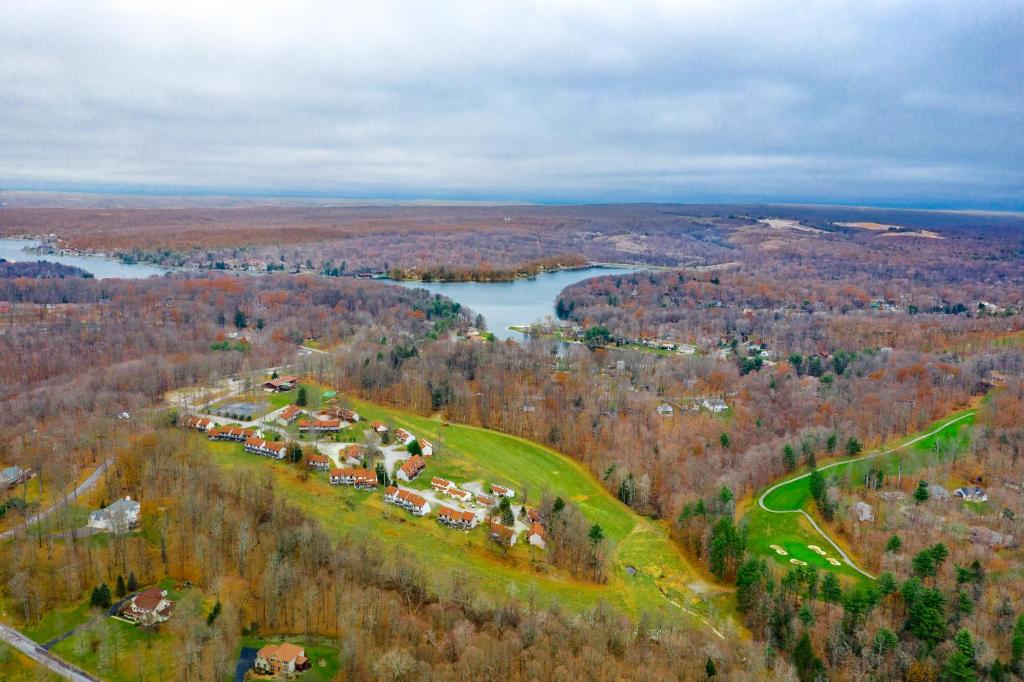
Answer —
(281, 384)
(199, 423)
(319, 425)
(463, 496)
(289, 414)
(318, 462)
(354, 454)
(380, 427)
(502, 491)
(665, 410)
(441, 484)
(503, 535)
(863, 512)
(281, 659)
(485, 501)
(362, 479)
(119, 517)
(408, 500)
(233, 433)
(426, 448)
(411, 468)
(715, 405)
(971, 493)
(536, 535)
(456, 518)
(148, 607)
(404, 437)
(340, 413)
(258, 446)
(11, 476)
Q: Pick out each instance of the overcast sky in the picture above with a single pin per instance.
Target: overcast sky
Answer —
(890, 103)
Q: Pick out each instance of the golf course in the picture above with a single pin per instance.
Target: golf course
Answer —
(783, 523)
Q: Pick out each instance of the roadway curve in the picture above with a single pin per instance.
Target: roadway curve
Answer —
(44, 657)
(880, 453)
(83, 487)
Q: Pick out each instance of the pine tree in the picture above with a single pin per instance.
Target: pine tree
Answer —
(894, 544)
(724, 440)
(830, 588)
(853, 447)
(789, 457)
(709, 668)
(921, 493)
(133, 584)
(301, 398)
(121, 589)
(213, 613)
(960, 666)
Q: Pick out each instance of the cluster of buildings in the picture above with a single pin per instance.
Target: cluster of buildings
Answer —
(408, 500)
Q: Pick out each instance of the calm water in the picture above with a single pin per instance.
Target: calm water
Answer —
(101, 268)
(518, 302)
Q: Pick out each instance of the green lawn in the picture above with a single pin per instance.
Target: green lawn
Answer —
(59, 621)
(465, 453)
(322, 655)
(793, 532)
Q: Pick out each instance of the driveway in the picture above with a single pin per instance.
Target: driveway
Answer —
(83, 487)
(44, 657)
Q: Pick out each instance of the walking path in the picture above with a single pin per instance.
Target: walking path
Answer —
(84, 487)
(44, 657)
(846, 462)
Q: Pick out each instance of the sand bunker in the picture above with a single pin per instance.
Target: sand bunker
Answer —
(817, 550)
(779, 550)
(834, 562)
(798, 562)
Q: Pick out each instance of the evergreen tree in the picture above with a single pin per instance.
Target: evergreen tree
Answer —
(885, 641)
(830, 588)
(921, 493)
(1017, 645)
(301, 398)
(894, 544)
(415, 448)
(241, 321)
(121, 589)
(596, 534)
(724, 440)
(831, 442)
(961, 663)
(709, 668)
(749, 583)
(133, 584)
(808, 666)
(788, 457)
(508, 517)
(853, 447)
(213, 613)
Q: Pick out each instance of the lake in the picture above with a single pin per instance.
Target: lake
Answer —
(101, 268)
(520, 301)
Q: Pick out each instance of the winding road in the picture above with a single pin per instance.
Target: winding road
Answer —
(845, 462)
(83, 487)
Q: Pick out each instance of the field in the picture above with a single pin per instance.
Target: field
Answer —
(794, 534)
(465, 453)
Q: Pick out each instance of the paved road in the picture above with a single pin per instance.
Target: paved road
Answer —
(85, 486)
(44, 657)
(844, 462)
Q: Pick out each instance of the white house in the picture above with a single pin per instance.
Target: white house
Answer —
(149, 607)
(665, 410)
(536, 535)
(715, 404)
(119, 517)
(502, 491)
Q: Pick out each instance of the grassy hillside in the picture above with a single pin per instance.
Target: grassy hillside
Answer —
(794, 533)
(466, 453)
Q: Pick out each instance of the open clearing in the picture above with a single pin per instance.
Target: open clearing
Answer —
(466, 453)
(781, 524)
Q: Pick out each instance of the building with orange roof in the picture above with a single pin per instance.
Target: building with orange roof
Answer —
(281, 659)
(411, 468)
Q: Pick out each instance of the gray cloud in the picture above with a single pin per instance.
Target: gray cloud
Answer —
(910, 103)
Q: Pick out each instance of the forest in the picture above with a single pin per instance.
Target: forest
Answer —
(822, 343)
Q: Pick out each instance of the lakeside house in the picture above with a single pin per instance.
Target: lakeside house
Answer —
(411, 468)
(502, 491)
(281, 384)
(281, 659)
(289, 414)
(503, 535)
(318, 462)
(119, 517)
(148, 607)
(408, 500)
(232, 433)
(457, 518)
(361, 479)
(319, 425)
(259, 446)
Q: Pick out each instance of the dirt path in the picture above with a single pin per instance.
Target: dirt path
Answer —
(880, 453)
